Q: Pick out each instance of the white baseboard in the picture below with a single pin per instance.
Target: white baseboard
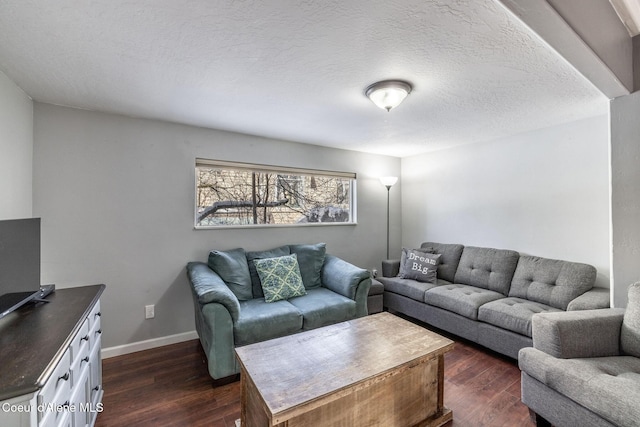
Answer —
(147, 344)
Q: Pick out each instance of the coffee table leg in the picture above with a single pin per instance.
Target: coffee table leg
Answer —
(243, 398)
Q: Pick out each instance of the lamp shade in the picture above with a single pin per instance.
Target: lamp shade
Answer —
(388, 181)
(388, 94)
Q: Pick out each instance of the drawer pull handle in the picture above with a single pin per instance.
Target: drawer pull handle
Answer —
(86, 359)
(99, 331)
(96, 388)
(98, 314)
(65, 377)
(85, 338)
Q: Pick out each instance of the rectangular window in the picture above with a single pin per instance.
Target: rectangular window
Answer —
(238, 194)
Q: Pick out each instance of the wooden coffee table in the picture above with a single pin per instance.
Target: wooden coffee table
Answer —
(378, 370)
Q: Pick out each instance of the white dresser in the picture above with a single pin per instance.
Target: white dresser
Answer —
(52, 374)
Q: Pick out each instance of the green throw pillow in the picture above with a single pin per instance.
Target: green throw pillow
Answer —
(254, 255)
(280, 277)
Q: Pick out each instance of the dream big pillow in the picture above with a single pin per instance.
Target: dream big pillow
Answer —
(419, 265)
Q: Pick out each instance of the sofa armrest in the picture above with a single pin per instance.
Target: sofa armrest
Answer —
(347, 280)
(591, 300)
(208, 287)
(390, 267)
(577, 334)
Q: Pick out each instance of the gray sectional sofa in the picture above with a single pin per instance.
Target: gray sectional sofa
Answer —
(233, 312)
(489, 296)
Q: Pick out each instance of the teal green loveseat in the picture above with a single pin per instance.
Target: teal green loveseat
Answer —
(234, 312)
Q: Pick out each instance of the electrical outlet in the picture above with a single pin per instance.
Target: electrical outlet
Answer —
(149, 311)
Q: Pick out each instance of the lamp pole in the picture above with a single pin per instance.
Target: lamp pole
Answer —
(388, 182)
(388, 191)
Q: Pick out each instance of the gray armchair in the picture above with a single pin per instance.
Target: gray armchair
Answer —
(584, 367)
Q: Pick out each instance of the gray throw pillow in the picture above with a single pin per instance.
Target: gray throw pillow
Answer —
(310, 260)
(419, 265)
(630, 333)
(232, 267)
(403, 257)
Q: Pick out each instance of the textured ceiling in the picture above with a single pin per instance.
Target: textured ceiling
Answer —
(297, 69)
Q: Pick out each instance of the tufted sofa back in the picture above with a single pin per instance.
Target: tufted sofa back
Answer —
(449, 259)
(550, 281)
(487, 268)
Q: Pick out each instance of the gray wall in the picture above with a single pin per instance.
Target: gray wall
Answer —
(625, 194)
(16, 151)
(544, 193)
(116, 198)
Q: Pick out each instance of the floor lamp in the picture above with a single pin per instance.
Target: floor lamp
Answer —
(388, 182)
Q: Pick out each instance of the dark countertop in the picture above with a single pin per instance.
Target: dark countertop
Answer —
(34, 337)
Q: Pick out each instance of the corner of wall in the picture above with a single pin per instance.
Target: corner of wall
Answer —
(636, 63)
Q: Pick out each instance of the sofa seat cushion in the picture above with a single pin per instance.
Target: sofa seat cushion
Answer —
(260, 321)
(513, 314)
(461, 299)
(321, 307)
(608, 386)
(408, 287)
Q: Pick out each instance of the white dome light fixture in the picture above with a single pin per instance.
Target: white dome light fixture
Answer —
(388, 94)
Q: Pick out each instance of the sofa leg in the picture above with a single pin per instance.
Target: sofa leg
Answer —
(538, 420)
(225, 380)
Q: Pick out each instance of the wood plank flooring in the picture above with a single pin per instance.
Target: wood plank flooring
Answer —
(170, 386)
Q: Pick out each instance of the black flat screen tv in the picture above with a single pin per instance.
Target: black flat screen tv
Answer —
(19, 263)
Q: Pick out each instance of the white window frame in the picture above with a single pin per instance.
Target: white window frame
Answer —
(281, 170)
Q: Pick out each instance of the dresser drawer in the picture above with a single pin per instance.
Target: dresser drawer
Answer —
(94, 315)
(95, 333)
(80, 363)
(80, 410)
(81, 339)
(57, 389)
(56, 419)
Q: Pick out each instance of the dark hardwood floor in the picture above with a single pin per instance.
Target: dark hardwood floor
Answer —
(170, 386)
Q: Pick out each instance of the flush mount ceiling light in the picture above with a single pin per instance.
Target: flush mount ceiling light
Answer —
(388, 94)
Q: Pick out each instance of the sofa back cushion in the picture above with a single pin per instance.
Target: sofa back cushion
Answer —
(630, 332)
(487, 268)
(550, 281)
(448, 261)
(232, 267)
(310, 260)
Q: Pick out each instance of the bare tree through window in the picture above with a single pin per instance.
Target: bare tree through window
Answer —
(250, 196)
